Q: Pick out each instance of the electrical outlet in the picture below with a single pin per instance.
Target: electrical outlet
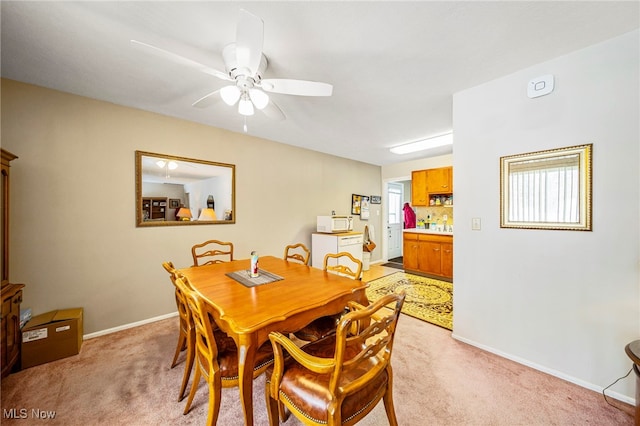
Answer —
(445, 217)
(475, 224)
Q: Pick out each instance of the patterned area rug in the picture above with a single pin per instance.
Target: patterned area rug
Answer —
(427, 299)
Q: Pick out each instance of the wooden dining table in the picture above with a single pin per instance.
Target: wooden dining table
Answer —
(249, 314)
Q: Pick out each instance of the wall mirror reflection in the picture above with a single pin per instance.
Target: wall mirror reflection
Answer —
(547, 189)
(176, 191)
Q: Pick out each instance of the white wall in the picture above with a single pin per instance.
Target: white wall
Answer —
(73, 236)
(219, 187)
(565, 302)
(402, 171)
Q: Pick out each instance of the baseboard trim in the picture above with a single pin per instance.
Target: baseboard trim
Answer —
(130, 325)
(551, 372)
(555, 373)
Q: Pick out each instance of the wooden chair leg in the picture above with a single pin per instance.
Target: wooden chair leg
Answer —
(192, 393)
(214, 399)
(179, 348)
(388, 402)
(188, 366)
(272, 406)
(284, 412)
(334, 416)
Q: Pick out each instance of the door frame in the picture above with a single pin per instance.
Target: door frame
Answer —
(384, 207)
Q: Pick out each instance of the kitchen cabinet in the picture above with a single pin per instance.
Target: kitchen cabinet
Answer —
(429, 182)
(410, 251)
(428, 253)
(440, 181)
(419, 196)
(447, 259)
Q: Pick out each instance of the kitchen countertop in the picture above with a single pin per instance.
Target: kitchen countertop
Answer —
(426, 231)
(340, 234)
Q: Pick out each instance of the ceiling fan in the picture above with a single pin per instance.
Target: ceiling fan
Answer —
(245, 65)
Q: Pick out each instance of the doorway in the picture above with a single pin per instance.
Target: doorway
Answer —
(395, 196)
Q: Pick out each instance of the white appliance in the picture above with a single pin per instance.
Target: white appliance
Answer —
(322, 243)
(332, 224)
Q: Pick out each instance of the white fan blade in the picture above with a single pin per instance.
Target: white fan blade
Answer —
(296, 87)
(273, 111)
(249, 40)
(207, 100)
(179, 59)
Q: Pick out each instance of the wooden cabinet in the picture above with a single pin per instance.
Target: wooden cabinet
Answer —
(428, 253)
(440, 181)
(425, 183)
(10, 325)
(154, 208)
(419, 196)
(447, 259)
(7, 157)
(11, 294)
(410, 251)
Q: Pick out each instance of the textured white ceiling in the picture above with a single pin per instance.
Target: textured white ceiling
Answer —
(394, 65)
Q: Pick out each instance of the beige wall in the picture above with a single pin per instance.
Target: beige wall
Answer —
(73, 236)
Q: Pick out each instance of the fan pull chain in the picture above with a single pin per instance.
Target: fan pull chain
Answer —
(245, 124)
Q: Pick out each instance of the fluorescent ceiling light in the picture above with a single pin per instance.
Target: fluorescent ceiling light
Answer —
(421, 145)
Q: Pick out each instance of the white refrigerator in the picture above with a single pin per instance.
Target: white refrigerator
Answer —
(321, 244)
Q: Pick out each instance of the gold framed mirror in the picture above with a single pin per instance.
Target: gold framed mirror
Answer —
(547, 189)
(178, 191)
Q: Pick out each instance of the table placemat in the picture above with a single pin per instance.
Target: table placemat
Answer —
(245, 279)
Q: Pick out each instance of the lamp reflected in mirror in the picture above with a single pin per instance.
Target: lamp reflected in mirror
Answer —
(184, 214)
(207, 214)
(176, 191)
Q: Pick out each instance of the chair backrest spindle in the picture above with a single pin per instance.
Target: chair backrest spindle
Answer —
(298, 252)
(342, 264)
(212, 251)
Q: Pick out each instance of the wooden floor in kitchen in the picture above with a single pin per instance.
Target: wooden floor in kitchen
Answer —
(377, 271)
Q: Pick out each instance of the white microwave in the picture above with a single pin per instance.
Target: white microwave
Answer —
(331, 224)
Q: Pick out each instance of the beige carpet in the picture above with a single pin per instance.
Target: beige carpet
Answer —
(124, 379)
(426, 298)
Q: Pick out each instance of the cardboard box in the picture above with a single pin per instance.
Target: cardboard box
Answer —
(51, 336)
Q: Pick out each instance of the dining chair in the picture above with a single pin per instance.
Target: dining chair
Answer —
(217, 353)
(342, 263)
(186, 332)
(212, 251)
(337, 380)
(298, 252)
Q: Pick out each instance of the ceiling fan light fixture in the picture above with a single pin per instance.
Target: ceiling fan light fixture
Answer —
(230, 94)
(161, 163)
(259, 98)
(172, 165)
(424, 144)
(245, 107)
